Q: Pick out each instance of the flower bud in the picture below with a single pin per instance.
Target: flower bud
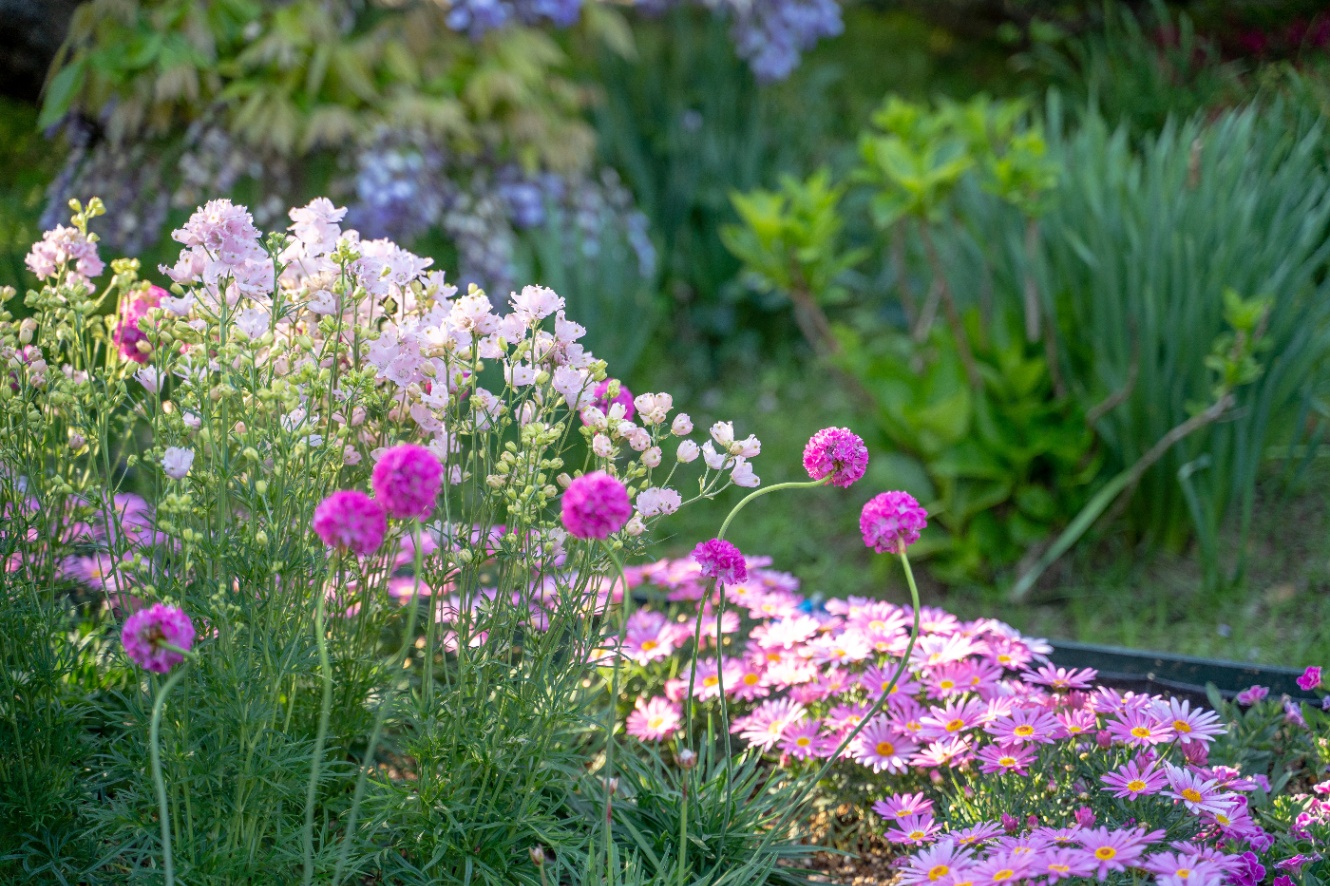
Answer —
(537, 856)
(686, 759)
(76, 441)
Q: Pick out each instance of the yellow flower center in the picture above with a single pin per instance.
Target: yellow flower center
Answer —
(751, 679)
(915, 835)
(877, 624)
(1223, 819)
(938, 871)
(1006, 761)
(1181, 726)
(1135, 785)
(1104, 853)
(1004, 874)
(956, 725)
(1059, 868)
(947, 684)
(648, 645)
(710, 681)
(1191, 794)
(1182, 873)
(885, 749)
(1025, 730)
(654, 723)
(803, 741)
(1141, 732)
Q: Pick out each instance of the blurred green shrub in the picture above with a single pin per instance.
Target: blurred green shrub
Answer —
(1123, 257)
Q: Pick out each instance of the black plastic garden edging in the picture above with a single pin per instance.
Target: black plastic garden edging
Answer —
(1180, 675)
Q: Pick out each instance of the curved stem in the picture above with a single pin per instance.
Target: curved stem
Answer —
(155, 757)
(793, 808)
(384, 704)
(325, 710)
(757, 493)
(614, 703)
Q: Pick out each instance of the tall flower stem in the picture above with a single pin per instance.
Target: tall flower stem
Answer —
(325, 710)
(155, 758)
(384, 704)
(791, 810)
(683, 828)
(614, 705)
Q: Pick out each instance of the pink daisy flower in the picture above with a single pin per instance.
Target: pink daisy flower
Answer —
(954, 717)
(1196, 793)
(1114, 850)
(902, 805)
(1025, 725)
(951, 752)
(1062, 863)
(1132, 780)
(944, 859)
(648, 637)
(803, 740)
(977, 834)
(1139, 728)
(913, 830)
(1078, 722)
(751, 684)
(1183, 869)
(654, 720)
(880, 748)
(1001, 868)
(1061, 679)
(1005, 758)
(1198, 725)
(766, 725)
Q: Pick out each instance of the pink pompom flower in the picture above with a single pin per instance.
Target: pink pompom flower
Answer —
(352, 520)
(595, 505)
(837, 453)
(891, 522)
(128, 333)
(147, 632)
(1310, 679)
(625, 398)
(722, 561)
(406, 481)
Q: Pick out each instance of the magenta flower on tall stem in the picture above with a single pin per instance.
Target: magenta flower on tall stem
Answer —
(351, 520)
(722, 561)
(157, 638)
(406, 481)
(595, 506)
(837, 453)
(891, 521)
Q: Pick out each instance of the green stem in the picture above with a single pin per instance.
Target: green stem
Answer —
(793, 808)
(325, 710)
(757, 493)
(683, 828)
(394, 669)
(614, 704)
(155, 757)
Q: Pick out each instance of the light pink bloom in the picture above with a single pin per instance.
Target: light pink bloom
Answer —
(654, 720)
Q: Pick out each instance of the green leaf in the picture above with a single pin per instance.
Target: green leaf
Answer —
(60, 93)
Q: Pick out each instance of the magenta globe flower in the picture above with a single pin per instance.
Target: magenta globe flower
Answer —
(147, 630)
(838, 453)
(722, 561)
(595, 505)
(406, 481)
(891, 522)
(351, 520)
(625, 397)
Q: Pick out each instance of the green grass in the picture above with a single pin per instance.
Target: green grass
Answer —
(1104, 592)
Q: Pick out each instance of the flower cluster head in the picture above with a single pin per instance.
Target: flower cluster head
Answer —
(722, 561)
(352, 520)
(837, 453)
(147, 632)
(406, 481)
(1310, 679)
(595, 506)
(891, 522)
(60, 246)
